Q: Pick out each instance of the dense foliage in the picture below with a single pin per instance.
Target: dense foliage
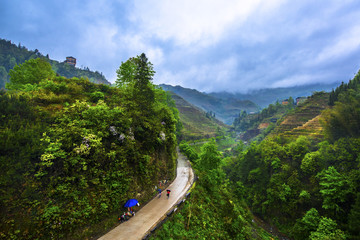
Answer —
(344, 87)
(308, 188)
(72, 152)
(12, 55)
(215, 209)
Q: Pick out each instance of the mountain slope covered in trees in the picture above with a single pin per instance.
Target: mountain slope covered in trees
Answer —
(302, 178)
(215, 208)
(72, 152)
(11, 55)
(307, 182)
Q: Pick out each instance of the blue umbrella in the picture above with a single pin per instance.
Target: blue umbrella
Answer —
(131, 203)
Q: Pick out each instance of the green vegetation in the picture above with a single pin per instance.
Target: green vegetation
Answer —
(12, 55)
(287, 121)
(246, 121)
(215, 209)
(72, 152)
(308, 186)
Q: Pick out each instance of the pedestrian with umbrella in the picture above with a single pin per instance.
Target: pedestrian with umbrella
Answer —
(130, 203)
(159, 190)
(168, 193)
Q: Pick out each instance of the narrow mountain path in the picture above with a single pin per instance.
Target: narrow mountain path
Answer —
(155, 211)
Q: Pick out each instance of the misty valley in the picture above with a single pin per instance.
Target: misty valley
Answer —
(280, 163)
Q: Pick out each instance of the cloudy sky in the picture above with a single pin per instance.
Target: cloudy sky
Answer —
(212, 45)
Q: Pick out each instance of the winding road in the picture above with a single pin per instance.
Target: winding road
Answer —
(155, 211)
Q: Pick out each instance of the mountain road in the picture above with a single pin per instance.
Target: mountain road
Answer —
(155, 211)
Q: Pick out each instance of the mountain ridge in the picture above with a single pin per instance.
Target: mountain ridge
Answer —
(12, 54)
(224, 110)
(265, 96)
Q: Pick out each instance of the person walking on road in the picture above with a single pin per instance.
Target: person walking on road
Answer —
(159, 190)
(168, 193)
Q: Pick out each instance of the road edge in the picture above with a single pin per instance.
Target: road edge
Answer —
(173, 208)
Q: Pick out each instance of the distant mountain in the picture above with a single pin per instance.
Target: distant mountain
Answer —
(11, 55)
(264, 97)
(196, 123)
(224, 109)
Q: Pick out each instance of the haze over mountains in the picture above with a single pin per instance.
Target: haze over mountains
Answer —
(227, 106)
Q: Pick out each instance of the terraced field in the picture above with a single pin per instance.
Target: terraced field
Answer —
(305, 119)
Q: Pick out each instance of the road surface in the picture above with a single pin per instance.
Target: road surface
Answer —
(153, 212)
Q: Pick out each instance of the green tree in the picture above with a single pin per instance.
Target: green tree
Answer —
(334, 188)
(3, 76)
(135, 77)
(343, 120)
(311, 162)
(307, 224)
(143, 88)
(126, 74)
(354, 217)
(30, 72)
(327, 230)
(297, 150)
(209, 157)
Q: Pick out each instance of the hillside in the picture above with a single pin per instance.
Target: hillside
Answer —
(288, 121)
(304, 176)
(11, 55)
(73, 152)
(225, 110)
(196, 123)
(215, 208)
(304, 120)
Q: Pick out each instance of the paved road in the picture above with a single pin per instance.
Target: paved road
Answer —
(153, 212)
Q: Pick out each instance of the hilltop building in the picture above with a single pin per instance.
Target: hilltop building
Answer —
(285, 102)
(71, 61)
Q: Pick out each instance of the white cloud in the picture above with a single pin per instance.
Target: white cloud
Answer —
(297, 80)
(204, 77)
(209, 45)
(198, 22)
(135, 44)
(342, 46)
(155, 56)
(98, 40)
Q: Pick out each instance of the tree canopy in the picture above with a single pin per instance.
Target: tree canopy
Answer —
(30, 72)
